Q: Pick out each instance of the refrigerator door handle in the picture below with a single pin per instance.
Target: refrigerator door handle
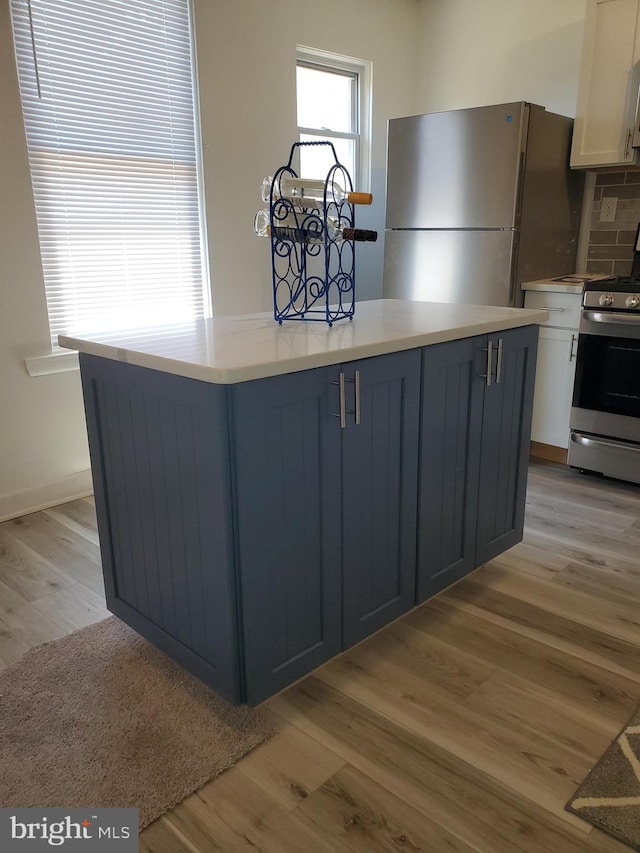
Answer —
(634, 105)
(513, 266)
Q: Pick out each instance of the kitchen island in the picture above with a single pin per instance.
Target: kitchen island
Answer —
(267, 495)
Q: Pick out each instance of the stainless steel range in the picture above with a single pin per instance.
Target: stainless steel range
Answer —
(605, 417)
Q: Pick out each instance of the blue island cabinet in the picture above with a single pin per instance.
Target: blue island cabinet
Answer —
(327, 491)
(477, 403)
(162, 472)
(254, 530)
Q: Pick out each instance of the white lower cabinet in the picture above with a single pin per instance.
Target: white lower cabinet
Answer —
(555, 370)
(555, 366)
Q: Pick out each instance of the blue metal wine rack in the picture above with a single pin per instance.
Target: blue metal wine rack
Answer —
(313, 271)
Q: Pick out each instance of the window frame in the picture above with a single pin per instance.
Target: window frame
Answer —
(361, 71)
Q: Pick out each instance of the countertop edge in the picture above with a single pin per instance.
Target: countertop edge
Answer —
(247, 372)
(552, 287)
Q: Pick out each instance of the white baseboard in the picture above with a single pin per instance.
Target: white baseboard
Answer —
(69, 488)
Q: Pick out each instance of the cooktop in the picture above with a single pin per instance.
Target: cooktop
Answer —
(618, 293)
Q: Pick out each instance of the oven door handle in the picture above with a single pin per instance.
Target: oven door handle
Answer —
(585, 441)
(612, 317)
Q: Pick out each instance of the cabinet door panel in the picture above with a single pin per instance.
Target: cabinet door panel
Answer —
(379, 491)
(606, 96)
(449, 459)
(555, 371)
(506, 429)
(288, 487)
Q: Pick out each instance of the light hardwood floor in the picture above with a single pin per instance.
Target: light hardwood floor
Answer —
(464, 726)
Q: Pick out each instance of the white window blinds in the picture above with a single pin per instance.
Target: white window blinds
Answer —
(107, 90)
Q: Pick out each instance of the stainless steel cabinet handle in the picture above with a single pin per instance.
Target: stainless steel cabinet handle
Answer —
(574, 340)
(343, 408)
(550, 308)
(356, 377)
(499, 362)
(356, 383)
(489, 352)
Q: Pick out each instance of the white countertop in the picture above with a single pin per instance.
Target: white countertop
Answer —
(236, 349)
(561, 284)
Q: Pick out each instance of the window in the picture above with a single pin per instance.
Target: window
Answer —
(333, 104)
(107, 91)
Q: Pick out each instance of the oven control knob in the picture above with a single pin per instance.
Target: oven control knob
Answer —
(606, 299)
(632, 301)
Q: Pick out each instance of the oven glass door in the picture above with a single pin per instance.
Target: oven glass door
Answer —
(608, 374)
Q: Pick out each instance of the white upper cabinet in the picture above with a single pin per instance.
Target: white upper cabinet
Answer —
(608, 89)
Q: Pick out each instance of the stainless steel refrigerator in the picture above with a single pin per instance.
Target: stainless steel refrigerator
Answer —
(478, 201)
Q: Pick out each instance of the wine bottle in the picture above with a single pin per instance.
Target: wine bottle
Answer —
(311, 193)
(310, 229)
(354, 235)
(301, 229)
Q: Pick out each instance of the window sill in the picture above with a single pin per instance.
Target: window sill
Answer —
(56, 361)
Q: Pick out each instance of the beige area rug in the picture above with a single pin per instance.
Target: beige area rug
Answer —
(609, 797)
(102, 718)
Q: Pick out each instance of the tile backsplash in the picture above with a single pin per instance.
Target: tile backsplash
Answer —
(610, 248)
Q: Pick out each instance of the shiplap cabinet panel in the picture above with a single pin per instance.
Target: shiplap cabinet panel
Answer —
(474, 450)
(252, 535)
(289, 522)
(327, 521)
(504, 451)
(160, 460)
(449, 463)
(379, 483)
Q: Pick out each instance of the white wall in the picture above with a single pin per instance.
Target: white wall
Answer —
(246, 57)
(246, 64)
(478, 52)
(43, 449)
(427, 55)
